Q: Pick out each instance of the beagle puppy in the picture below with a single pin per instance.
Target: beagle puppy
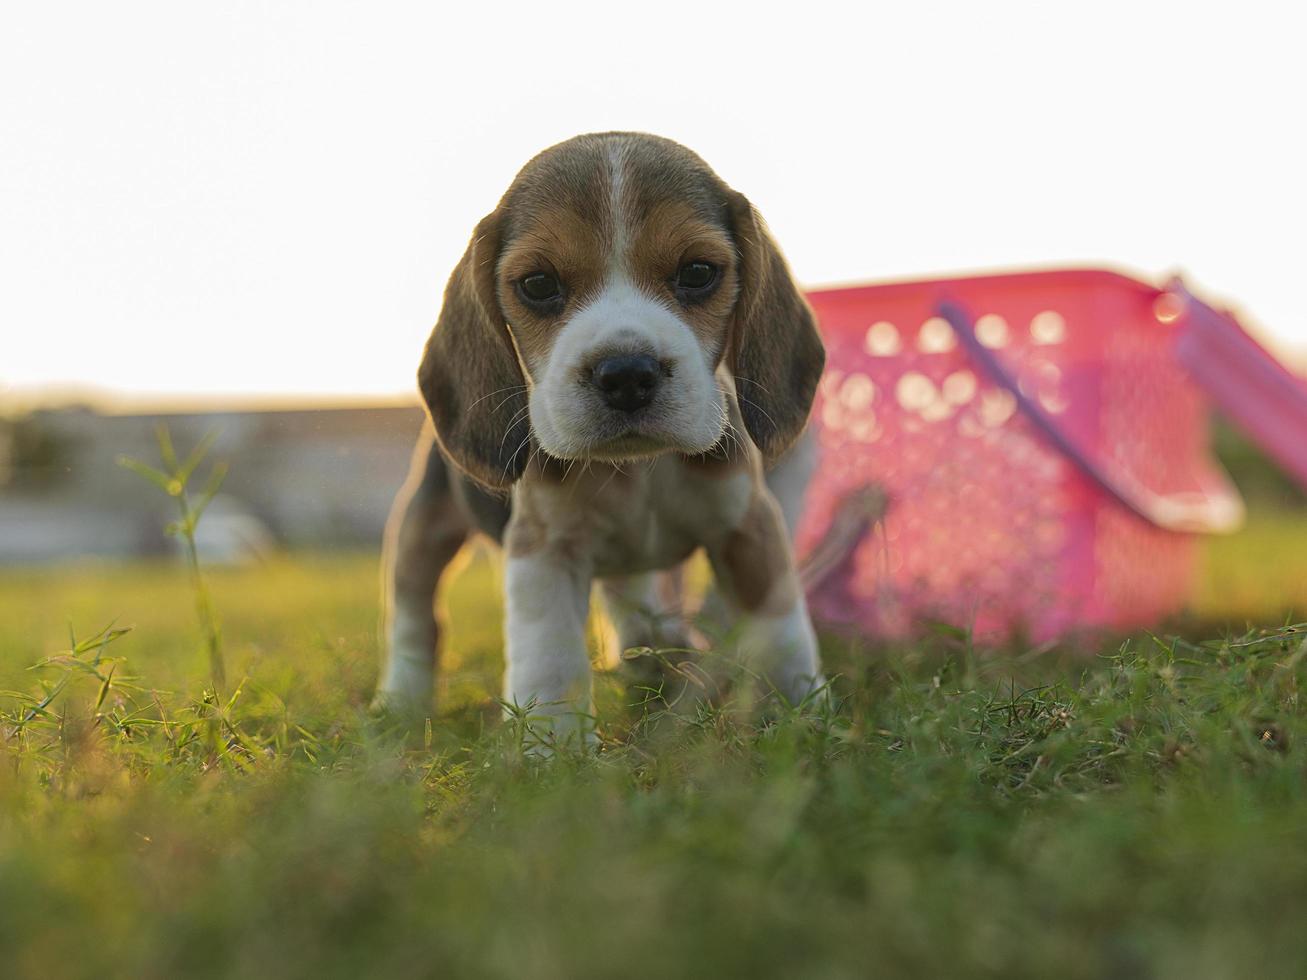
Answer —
(621, 356)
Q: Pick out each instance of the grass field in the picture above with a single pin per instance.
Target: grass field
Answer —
(1141, 813)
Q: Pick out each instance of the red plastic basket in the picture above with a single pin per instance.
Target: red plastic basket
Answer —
(1024, 453)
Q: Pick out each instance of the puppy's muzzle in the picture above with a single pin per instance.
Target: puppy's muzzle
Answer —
(627, 382)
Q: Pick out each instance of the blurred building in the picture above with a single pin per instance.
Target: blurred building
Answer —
(303, 479)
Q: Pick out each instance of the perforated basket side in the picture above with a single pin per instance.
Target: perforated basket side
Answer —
(975, 528)
(1027, 466)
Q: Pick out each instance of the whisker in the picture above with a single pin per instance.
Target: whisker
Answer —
(505, 402)
(512, 424)
(571, 464)
(756, 384)
(611, 477)
(520, 414)
(514, 456)
(749, 401)
(497, 391)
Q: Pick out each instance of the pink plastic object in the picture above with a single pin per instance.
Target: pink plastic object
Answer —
(1012, 454)
(1253, 388)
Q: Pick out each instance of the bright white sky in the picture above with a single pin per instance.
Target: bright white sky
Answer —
(257, 198)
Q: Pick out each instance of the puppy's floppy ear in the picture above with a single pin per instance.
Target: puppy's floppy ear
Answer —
(469, 375)
(776, 353)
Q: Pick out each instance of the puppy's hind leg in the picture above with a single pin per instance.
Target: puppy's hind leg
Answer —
(646, 611)
(425, 531)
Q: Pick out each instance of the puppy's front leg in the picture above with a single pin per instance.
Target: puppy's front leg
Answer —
(547, 601)
(755, 570)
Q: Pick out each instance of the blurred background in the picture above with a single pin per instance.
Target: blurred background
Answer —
(239, 218)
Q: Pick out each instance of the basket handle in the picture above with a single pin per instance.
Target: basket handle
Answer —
(1259, 393)
(1216, 509)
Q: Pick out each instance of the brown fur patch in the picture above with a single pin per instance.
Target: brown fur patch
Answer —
(559, 241)
(536, 526)
(777, 355)
(755, 560)
(669, 235)
(524, 537)
(469, 375)
(527, 531)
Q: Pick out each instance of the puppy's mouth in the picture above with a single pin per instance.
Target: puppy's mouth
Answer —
(629, 437)
(632, 444)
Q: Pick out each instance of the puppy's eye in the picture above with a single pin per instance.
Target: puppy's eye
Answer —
(540, 287)
(695, 275)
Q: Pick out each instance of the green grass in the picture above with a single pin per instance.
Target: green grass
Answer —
(1141, 813)
(1259, 573)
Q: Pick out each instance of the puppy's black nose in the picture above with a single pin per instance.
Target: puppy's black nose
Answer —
(627, 382)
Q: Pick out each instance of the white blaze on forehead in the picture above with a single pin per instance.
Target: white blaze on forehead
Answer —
(617, 209)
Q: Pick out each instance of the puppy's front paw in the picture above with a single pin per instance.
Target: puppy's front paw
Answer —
(400, 705)
(406, 684)
(404, 695)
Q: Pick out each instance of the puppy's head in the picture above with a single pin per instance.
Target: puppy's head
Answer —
(602, 310)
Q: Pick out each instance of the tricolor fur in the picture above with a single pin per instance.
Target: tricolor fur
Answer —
(536, 444)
